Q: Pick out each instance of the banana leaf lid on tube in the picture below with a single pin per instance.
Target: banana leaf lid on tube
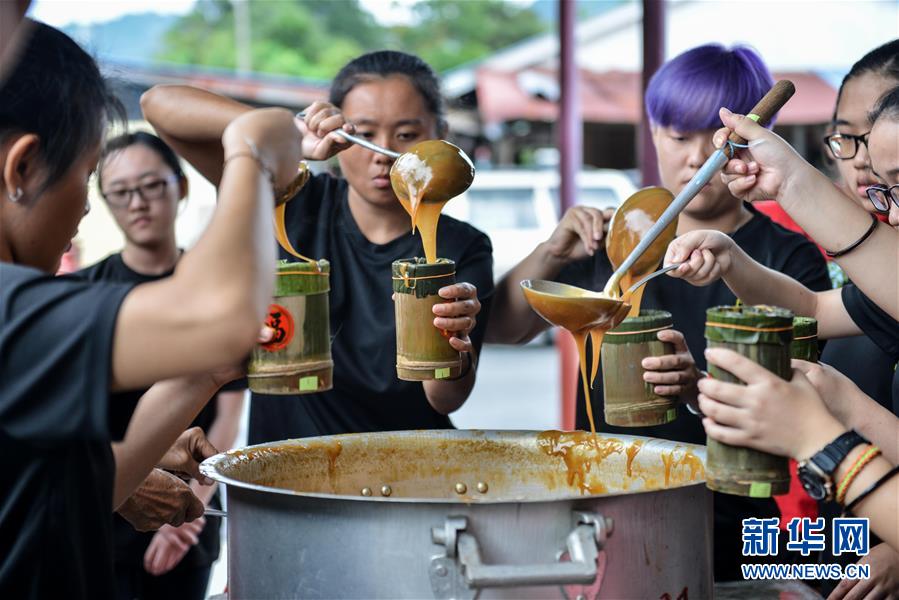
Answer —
(760, 324)
(644, 328)
(419, 277)
(302, 277)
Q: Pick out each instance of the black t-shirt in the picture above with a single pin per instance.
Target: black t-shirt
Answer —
(874, 322)
(878, 325)
(130, 545)
(769, 244)
(56, 336)
(367, 395)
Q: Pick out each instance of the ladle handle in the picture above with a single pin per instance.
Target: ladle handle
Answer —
(359, 141)
(766, 108)
(776, 97)
(652, 275)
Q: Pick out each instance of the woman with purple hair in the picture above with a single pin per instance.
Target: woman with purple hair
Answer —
(682, 100)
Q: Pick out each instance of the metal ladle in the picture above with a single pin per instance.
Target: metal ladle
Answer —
(577, 309)
(776, 97)
(442, 170)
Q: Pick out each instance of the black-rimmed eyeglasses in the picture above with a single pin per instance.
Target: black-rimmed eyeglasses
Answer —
(844, 146)
(880, 196)
(149, 191)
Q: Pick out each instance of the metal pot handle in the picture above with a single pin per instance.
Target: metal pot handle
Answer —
(460, 573)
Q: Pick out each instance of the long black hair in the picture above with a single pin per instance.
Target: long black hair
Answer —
(883, 61)
(56, 92)
(887, 106)
(139, 138)
(385, 63)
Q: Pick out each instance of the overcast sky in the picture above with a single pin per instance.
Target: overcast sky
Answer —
(63, 12)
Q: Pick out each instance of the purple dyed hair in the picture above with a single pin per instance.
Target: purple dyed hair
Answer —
(687, 91)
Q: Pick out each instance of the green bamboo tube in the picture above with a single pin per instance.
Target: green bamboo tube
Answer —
(298, 360)
(805, 339)
(422, 350)
(630, 401)
(763, 334)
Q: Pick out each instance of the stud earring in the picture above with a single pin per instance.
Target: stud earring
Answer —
(15, 196)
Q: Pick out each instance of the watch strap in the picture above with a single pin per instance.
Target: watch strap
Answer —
(830, 457)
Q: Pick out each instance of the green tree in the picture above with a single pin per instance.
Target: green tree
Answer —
(314, 38)
(306, 38)
(448, 33)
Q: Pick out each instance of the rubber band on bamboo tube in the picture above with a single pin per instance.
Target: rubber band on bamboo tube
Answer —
(319, 272)
(663, 328)
(748, 328)
(406, 279)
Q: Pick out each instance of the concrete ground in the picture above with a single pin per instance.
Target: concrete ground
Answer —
(517, 388)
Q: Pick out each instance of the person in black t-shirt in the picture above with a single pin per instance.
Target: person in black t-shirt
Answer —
(682, 101)
(67, 343)
(842, 312)
(357, 223)
(142, 182)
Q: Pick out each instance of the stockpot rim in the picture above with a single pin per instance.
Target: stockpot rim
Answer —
(211, 467)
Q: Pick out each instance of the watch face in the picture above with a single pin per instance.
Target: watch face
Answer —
(812, 484)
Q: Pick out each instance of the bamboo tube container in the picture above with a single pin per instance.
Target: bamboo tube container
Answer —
(630, 401)
(422, 351)
(298, 360)
(763, 334)
(805, 339)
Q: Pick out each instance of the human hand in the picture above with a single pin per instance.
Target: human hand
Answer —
(884, 581)
(706, 256)
(319, 126)
(274, 135)
(458, 317)
(189, 450)
(672, 374)
(768, 413)
(170, 544)
(766, 169)
(579, 233)
(838, 391)
(161, 499)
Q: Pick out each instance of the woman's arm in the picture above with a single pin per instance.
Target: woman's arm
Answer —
(772, 169)
(162, 414)
(853, 408)
(710, 255)
(222, 433)
(207, 314)
(789, 418)
(192, 122)
(578, 235)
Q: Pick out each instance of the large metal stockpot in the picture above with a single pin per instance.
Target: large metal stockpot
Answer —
(465, 514)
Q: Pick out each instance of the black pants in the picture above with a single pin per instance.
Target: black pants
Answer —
(134, 583)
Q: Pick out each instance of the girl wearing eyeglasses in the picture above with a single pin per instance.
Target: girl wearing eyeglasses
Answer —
(847, 142)
(799, 418)
(141, 179)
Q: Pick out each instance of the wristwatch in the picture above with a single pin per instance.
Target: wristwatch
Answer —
(816, 473)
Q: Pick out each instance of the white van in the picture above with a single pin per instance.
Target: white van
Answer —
(518, 209)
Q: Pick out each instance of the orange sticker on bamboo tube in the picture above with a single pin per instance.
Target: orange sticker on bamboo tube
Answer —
(280, 321)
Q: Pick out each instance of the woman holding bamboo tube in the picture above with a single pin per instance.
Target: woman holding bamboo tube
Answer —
(68, 344)
(682, 101)
(356, 223)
